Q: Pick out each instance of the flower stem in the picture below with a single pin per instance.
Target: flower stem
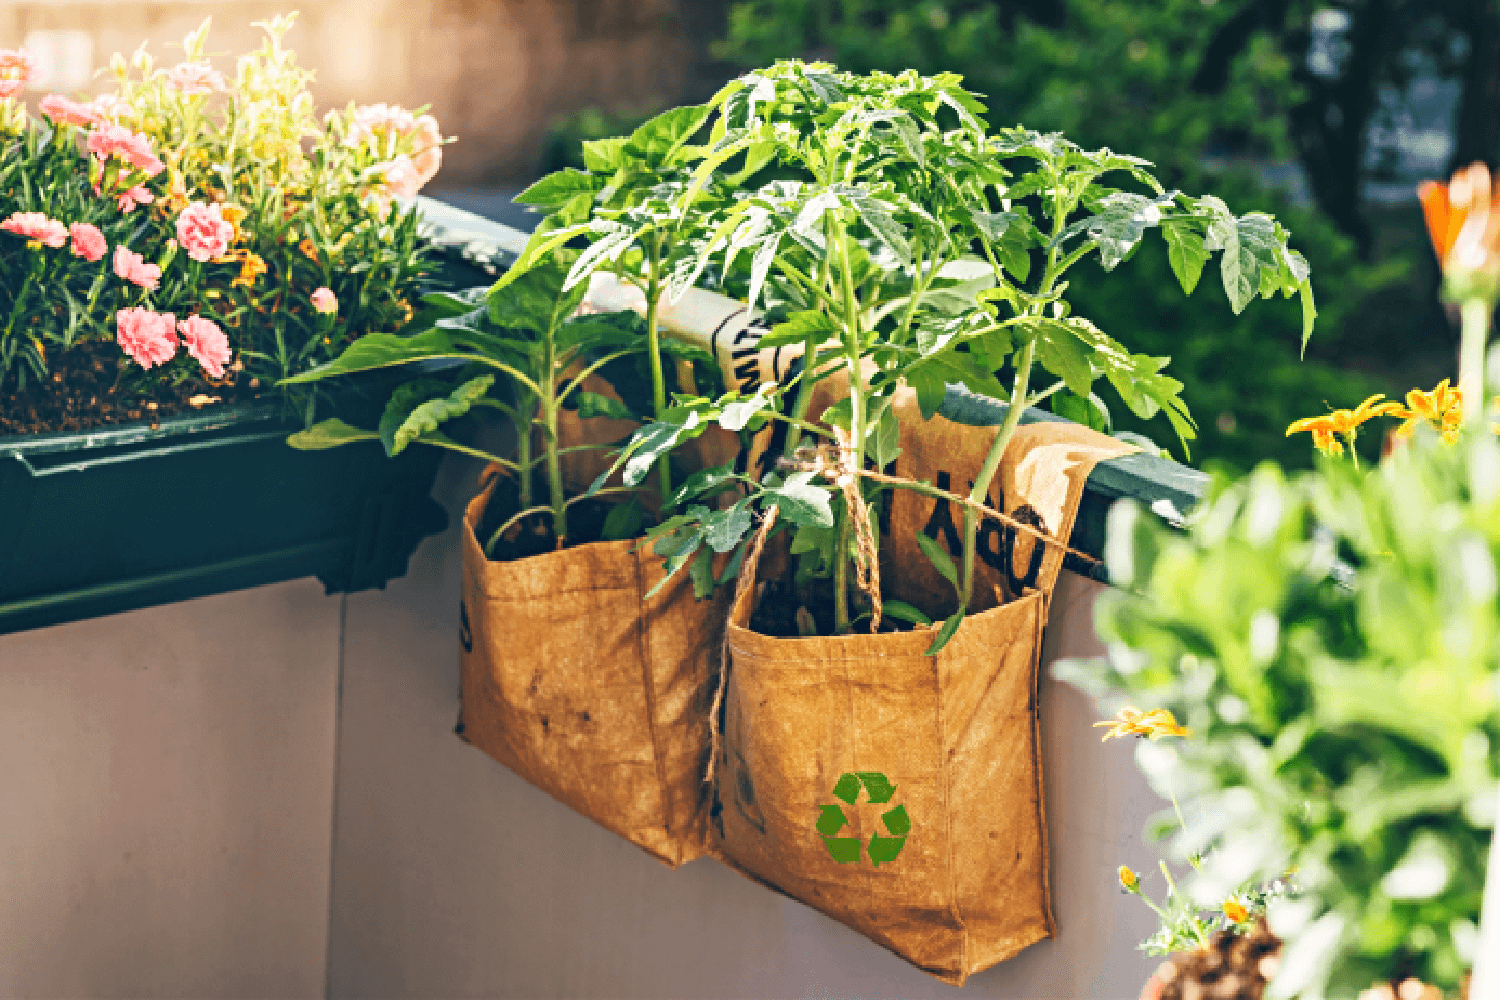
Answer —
(1475, 313)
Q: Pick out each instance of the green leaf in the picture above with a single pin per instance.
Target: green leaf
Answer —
(381, 350)
(930, 388)
(905, 612)
(877, 216)
(799, 326)
(623, 521)
(885, 439)
(702, 573)
(605, 156)
(329, 433)
(418, 407)
(592, 404)
(557, 189)
(1186, 254)
(1090, 411)
(664, 135)
(946, 632)
(1064, 355)
(736, 415)
(1309, 311)
(938, 556)
(801, 502)
(724, 529)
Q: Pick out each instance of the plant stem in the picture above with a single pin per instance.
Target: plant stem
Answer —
(981, 491)
(1476, 327)
(555, 479)
(524, 432)
(653, 346)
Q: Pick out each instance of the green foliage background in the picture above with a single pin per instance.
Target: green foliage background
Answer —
(1119, 73)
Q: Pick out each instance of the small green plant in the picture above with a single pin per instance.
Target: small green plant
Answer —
(522, 351)
(1345, 719)
(898, 245)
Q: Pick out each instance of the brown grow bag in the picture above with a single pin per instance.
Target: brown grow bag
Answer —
(956, 733)
(593, 694)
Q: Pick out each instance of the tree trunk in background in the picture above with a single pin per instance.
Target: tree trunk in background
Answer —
(1477, 124)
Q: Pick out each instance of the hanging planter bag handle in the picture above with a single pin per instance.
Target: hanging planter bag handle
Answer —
(865, 739)
(577, 683)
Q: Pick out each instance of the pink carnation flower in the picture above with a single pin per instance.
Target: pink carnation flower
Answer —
(36, 226)
(65, 112)
(137, 195)
(391, 130)
(195, 78)
(207, 343)
(401, 177)
(146, 336)
(131, 266)
(427, 141)
(323, 301)
(203, 231)
(16, 70)
(109, 139)
(88, 241)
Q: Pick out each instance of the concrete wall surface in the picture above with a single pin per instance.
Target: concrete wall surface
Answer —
(168, 777)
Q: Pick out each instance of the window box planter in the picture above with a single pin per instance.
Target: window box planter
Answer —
(126, 517)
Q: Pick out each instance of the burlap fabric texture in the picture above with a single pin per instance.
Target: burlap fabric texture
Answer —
(955, 733)
(599, 697)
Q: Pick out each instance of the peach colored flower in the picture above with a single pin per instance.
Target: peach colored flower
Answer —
(323, 301)
(109, 107)
(109, 139)
(36, 227)
(203, 231)
(137, 195)
(88, 241)
(131, 266)
(427, 143)
(65, 112)
(391, 131)
(16, 70)
(194, 79)
(401, 178)
(146, 336)
(206, 343)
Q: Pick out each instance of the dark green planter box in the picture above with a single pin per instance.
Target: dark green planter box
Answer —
(128, 517)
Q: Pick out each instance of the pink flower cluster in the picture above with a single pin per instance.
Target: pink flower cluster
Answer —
(132, 267)
(411, 144)
(88, 241)
(134, 148)
(16, 70)
(194, 79)
(324, 301)
(65, 112)
(204, 232)
(151, 339)
(37, 227)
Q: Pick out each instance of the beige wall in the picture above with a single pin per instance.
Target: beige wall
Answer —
(166, 779)
(496, 72)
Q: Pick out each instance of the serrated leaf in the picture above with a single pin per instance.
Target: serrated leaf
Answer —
(703, 484)
(558, 188)
(798, 327)
(724, 529)
(702, 573)
(1186, 253)
(1060, 352)
(801, 502)
(330, 433)
(656, 140)
(885, 439)
(592, 404)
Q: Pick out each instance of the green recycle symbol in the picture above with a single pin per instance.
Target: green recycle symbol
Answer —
(845, 850)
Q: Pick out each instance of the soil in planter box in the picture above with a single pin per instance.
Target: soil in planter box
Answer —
(82, 392)
(1233, 967)
(787, 611)
(533, 534)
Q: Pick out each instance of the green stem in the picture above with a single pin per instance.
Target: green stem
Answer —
(555, 479)
(981, 490)
(803, 399)
(653, 344)
(523, 452)
(1476, 327)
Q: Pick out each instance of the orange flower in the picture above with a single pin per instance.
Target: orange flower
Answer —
(1342, 423)
(1129, 879)
(1463, 220)
(1235, 911)
(1133, 722)
(1441, 407)
(309, 249)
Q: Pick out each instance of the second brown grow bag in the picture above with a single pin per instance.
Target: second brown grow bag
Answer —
(577, 683)
(956, 734)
